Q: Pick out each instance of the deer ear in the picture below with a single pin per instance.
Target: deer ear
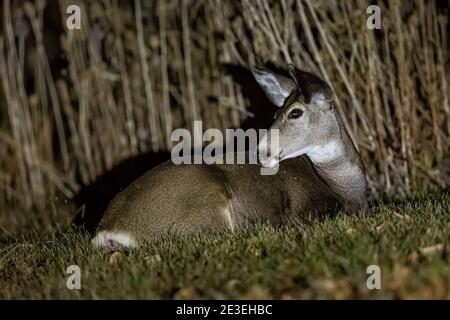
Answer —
(277, 87)
(311, 86)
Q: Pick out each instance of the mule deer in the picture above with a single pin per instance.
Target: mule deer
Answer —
(321, 172)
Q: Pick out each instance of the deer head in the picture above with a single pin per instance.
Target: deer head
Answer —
(307, 122)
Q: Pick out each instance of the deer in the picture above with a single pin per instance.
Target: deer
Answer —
(320, 173)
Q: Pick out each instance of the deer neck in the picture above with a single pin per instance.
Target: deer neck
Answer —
(339, 165)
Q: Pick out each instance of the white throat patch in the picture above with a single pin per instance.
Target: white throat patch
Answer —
(325, 153)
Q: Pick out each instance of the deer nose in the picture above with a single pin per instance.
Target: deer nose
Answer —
(266, 156)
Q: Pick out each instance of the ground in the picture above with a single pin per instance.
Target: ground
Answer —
(408, 240)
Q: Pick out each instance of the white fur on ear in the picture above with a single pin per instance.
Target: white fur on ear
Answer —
(277, 87)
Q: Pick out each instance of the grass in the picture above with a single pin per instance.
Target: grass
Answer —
(320, 259)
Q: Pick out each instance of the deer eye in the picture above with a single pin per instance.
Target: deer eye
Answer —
(295, 114)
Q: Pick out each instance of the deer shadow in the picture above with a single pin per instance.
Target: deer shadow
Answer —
(92, 200)
(258, 103)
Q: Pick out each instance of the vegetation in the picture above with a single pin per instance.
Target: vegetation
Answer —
(319, 259)
(75, 103)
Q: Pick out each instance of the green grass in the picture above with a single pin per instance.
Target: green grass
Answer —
(319, 259)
